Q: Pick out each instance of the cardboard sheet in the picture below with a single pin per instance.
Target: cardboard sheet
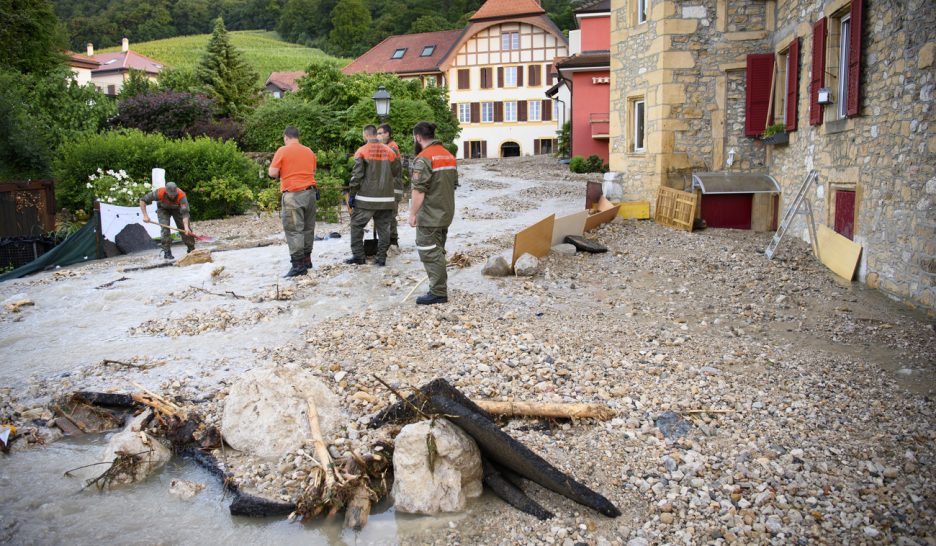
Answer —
(535, 240)
(571, 224)
(596, 220)
(635, 210)
(837, 252)
(604, 204)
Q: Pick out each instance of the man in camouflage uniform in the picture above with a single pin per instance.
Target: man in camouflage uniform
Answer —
(370, 195)
(434, 179)
(172, 204)
(385, 135)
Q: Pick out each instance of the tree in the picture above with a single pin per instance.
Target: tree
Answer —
(137, 84)
(170, 113)
(350, 27)
(178, 79)
(192, 16)
(31, 36)
(429, 23)
(226, 77)
(297, 21)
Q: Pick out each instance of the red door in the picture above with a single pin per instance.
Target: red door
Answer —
(731, 210)
(845, 213)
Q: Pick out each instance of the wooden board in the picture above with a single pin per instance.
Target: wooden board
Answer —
(636, 210)
(675, 208)
(837, 252)
(571, 224)
(604, 204)
(596, 220)
(535, 240)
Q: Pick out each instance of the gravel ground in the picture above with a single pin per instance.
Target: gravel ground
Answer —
(800, 408)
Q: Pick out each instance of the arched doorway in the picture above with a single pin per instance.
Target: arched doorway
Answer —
(510, 149)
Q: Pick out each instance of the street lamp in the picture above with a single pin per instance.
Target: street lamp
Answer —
(382, 103)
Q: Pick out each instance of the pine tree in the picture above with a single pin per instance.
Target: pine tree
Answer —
(226, 76)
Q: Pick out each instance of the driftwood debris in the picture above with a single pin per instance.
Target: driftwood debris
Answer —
(146, 267)
(440, 398)
(546, 409)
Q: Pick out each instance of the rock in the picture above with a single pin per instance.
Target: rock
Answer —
(564, 249)
(667, 518)
(266, 413)
(672, 425)
(456, 475)
(871, 532)
(134, 238)
(774, 524)
(152, 454)
(891, 472)
(496, 266)
(639, 541)
(526, 266)
(139, 422)
(185, 490)
(195, 257)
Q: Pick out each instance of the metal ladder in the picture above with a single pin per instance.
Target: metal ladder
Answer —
(800, 201)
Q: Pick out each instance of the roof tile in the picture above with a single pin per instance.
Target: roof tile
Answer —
(285, 80)
(493, 9)
(126, 60)
(380, 57)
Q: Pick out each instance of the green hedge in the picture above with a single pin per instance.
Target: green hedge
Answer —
(263, 130)
(218, 179)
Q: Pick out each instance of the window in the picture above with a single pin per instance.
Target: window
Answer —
(535, 111)
(843, 59)
(638, 124)
(510, 111)
(426, 51)
(475, 148)
(510, 76)
(464, 78)
(510, 40)
(788, 78)
(464, 113)
(487, 112)
(544, 146)
(398, 54)
(757, 87)
(642, 11)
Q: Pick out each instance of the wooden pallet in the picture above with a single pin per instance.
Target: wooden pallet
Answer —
(675, 208)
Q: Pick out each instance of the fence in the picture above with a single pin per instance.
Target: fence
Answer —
(27, 217)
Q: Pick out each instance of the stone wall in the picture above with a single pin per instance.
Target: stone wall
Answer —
(886, 154)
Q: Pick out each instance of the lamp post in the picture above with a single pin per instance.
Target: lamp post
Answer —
(382, 103)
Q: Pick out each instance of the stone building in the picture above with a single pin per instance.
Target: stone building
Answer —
(693, 81)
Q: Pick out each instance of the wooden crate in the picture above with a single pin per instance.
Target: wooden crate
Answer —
(675, 208)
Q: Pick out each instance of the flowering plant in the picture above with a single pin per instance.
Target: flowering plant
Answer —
(116, 187)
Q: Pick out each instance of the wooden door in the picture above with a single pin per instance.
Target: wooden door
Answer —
(845, 213)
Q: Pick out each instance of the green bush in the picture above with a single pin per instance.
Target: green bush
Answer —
(263, 129)
(577, 164)
(593, 164)
(217, 178)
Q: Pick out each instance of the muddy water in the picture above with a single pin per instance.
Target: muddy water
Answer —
(39, 505)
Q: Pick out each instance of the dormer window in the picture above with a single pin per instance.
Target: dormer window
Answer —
(111, 61)
(426, 51)
(398, 54)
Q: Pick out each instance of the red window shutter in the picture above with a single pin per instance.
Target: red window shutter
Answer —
(521, 110)
(455, 110)
(536, 147)
(854, 59)
(547, 109)
(500, 76)
(475, 112)
(483, 148)
(792, 97)
(760, 68)
(484, 79)
(818, 71)
(498, 111)
(519, 76)
(464, 81)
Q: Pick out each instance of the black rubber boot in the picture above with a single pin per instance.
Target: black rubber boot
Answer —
(430, 299)
(380, 262)
(167, 255)
(307, 261)
(298, 268)
(355, 261)
(189, 249)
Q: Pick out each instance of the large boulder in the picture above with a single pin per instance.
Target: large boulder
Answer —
(133, 238)
(266, 411)
(496, 266)
(527, 265)
(455, 477)
(149, 453)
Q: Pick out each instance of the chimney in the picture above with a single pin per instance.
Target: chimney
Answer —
(125, 45)
(90, 49)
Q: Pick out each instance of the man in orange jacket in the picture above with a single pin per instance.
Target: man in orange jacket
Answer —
(295, 165)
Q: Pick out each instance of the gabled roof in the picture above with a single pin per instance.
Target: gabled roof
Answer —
(380, 57)
(496, 9)
(77, 60)
(285, 81)
(597, 6)
(125, 60)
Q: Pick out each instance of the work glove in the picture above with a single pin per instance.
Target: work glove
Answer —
(351, 201)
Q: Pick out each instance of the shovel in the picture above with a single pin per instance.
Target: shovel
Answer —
(201, 238)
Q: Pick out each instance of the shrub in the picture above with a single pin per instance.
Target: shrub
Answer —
(577, 164)
(116, 187)
(170, 113)
(263, 130)
(222, 129)
(330, 190)
(217, 178)
(593, 164)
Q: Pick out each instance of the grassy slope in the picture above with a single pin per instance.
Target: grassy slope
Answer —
(265, 51)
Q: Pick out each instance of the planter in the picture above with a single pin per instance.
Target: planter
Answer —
(777, 138)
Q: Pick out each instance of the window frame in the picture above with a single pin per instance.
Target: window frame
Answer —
(401, 51)
(510, 40)
(638, 124)
(537, 106)
(510, 107)
(841, 71)
(645, 4)
(487, 112)
(508, 70)
(431, 49)
(464, 108)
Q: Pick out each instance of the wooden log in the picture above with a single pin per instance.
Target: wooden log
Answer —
(321, 450)
(107, 399)
(358, 508)
(546, 409)
(510, 493)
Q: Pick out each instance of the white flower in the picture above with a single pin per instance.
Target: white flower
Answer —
(100, 171)
(90, 185)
